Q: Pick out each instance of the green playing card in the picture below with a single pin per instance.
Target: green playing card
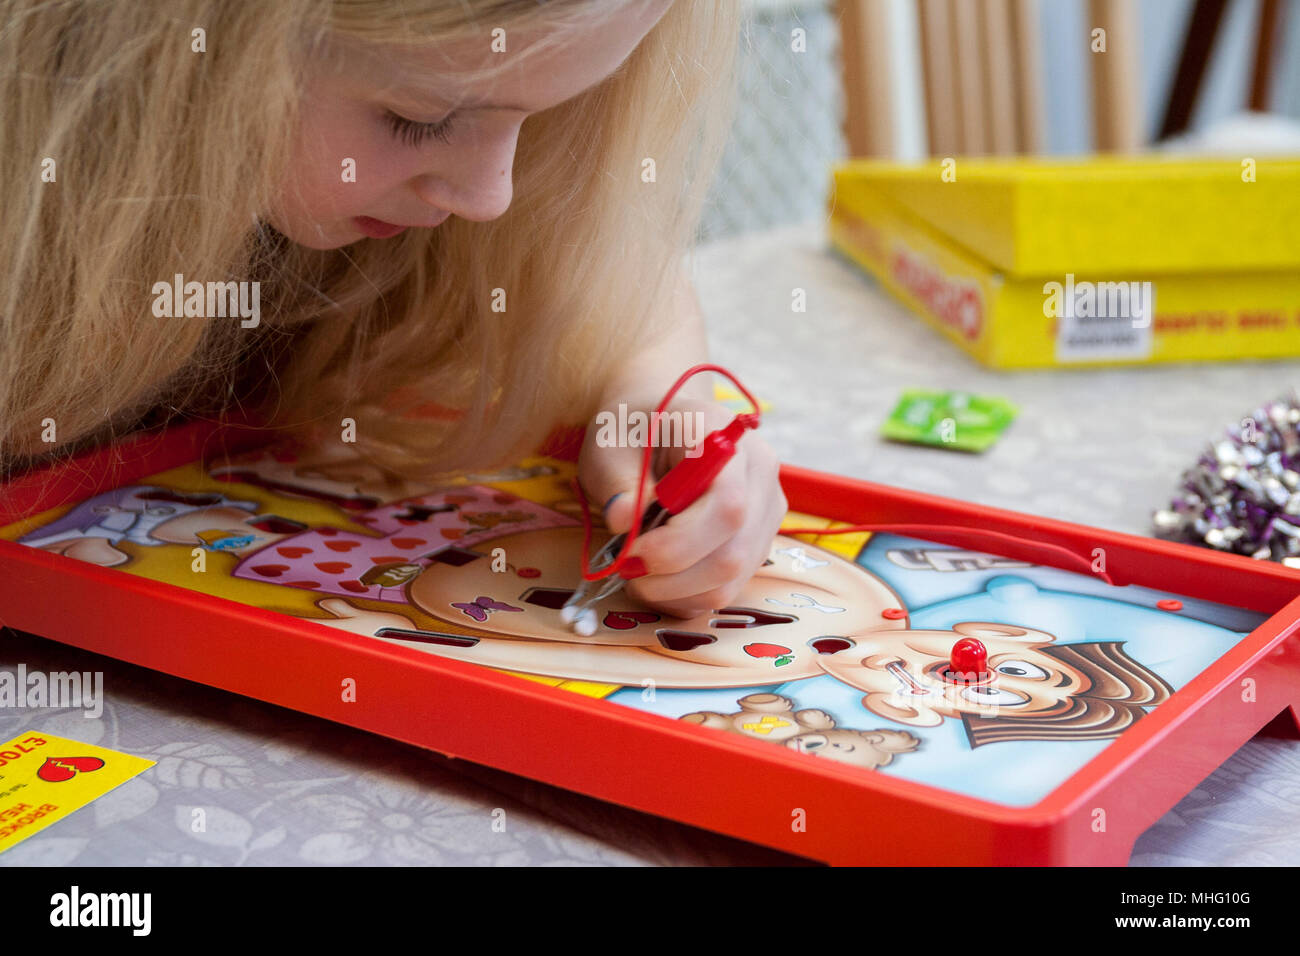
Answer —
(956, 420)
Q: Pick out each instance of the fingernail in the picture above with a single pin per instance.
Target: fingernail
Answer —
(633, 567)
(612, 498)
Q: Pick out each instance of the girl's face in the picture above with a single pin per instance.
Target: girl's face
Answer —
(421, 151)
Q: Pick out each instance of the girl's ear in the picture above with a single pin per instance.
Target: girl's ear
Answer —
(1004, 632)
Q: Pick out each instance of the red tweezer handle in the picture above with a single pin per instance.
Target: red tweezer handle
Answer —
(692, 476)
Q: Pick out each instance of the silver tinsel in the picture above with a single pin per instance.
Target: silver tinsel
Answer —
(1243, 494)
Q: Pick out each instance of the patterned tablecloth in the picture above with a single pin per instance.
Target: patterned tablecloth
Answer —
(1097, 447)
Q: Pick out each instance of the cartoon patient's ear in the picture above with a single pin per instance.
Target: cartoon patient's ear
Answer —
(887, 706)
(1005, 632)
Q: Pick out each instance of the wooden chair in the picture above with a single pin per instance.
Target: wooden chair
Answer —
(982, 75)
(1198, 43)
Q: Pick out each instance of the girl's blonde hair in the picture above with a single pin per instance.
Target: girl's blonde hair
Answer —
(165, 160)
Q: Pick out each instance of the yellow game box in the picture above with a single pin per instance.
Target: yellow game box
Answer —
(1028, 264)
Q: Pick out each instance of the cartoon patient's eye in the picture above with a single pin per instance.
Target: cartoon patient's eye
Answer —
(985, 694)
(1021, 669)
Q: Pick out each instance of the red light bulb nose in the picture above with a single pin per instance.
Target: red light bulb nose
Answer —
(969, 661)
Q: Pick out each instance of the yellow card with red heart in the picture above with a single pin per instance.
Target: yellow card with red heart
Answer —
(43, 778)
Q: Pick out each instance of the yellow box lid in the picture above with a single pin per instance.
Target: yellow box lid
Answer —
(1100, 215)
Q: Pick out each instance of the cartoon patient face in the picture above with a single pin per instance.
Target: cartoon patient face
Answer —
(903, 674)
(797, 608)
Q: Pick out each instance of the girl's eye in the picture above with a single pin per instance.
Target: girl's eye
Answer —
(413, 134)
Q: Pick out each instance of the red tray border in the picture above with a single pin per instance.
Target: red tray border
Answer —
(515, 722)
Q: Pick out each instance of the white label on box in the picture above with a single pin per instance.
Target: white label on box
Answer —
(1101, 321)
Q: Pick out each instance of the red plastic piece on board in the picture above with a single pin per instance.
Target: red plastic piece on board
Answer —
(969, 660)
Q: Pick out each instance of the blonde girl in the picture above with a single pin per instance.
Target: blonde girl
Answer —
(465, 220)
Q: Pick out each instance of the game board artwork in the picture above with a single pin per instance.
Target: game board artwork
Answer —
(1044, 691)
(835, 648)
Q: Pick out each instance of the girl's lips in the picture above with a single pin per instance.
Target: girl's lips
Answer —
(377, 228)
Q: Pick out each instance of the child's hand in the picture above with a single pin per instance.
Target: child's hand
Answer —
(701, 558)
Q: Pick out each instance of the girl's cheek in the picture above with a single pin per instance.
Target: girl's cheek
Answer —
(344, 182)
(340, 163)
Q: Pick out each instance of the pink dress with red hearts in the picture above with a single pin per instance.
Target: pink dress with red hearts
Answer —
(410, 531)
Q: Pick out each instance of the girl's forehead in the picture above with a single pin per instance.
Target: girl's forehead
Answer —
(523, 69)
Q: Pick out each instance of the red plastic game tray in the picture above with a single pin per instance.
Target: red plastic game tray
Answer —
(1171, 658)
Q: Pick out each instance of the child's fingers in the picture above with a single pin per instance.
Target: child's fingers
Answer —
(705, 585)
(718, 578)
(608, 476)
(694, 534)
(749, 484)
(711, 584)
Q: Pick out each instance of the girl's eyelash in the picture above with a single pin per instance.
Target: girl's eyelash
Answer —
(413, 134)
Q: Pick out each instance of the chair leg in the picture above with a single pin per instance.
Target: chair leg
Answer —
(1262, 75)
(1202, 29)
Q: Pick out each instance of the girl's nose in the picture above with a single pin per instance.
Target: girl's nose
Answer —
(473, 181)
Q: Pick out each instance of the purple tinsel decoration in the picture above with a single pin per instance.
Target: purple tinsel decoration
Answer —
(1243, 494)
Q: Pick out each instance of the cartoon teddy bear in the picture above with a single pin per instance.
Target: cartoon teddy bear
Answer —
(773, 717)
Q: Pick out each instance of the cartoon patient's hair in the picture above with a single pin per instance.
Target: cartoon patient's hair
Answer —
(1117, 688)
